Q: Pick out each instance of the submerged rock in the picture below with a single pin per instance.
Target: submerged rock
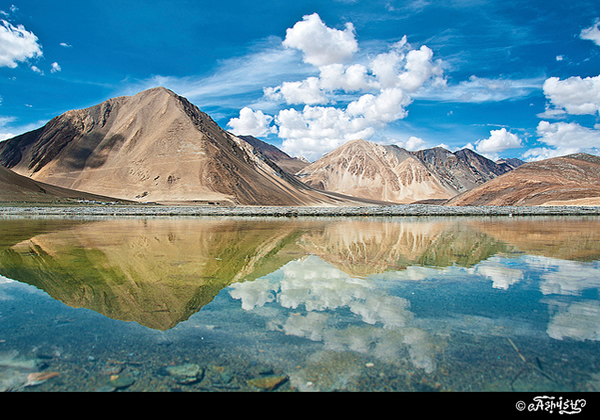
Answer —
(268, 383)
(186, 374)
(121, 381)
(17, 372)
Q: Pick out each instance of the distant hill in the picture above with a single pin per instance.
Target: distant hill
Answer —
(513, 163)
(568, 180)
(368, 170)
(154, 147)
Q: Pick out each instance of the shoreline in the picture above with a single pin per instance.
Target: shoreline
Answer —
(345, 211)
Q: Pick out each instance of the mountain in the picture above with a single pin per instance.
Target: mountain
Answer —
(567, 180)
(461, 170)
(367, 170)
(286, 162)
(154, 147)
(512, 163)
(18, 189)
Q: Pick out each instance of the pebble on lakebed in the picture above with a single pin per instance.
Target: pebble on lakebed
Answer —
(186, 374)
(268, 382)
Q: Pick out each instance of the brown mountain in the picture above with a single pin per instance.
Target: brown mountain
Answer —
(155, 146)
(17, 189)
(568, 180)
(368, 170)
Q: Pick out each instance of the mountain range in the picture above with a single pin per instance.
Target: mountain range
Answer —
(363, 169)
(158, 147)
(155, 147)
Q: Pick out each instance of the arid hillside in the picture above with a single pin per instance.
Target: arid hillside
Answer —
(568, 180)
(16, 189)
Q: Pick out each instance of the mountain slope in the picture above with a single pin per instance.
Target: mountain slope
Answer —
(567, 180)
(18, 189)
(368, 170)
(461, 170)
(154, 146)
(289, 164)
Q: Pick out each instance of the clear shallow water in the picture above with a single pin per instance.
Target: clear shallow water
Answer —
(300, 304)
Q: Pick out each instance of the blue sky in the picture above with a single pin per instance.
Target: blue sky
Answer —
(506, 78)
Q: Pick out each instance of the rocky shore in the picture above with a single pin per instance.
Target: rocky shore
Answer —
(345, 211)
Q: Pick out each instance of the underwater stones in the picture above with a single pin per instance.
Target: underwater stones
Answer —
(222, 374)
(120, 381)
(186, 374)
(269, 382)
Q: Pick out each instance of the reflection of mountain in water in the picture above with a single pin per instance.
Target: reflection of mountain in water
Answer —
(159, 272)
(365, 247)
(568, 238)
(155, 272)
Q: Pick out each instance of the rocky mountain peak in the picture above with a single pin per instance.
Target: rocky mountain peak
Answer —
(365, 169)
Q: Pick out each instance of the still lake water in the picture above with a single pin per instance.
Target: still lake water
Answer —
(304, 304)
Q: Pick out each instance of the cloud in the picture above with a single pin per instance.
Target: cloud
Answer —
(479, 90)
(253, 123)
(55, 68)
(320, 44)
(592, 33)
(562, 139)
(387, 106)
(307, 91)
(499, 141)
(316, 130)
(574, 95)
(345, 98)
(17, 45)
(349, 79)
(412, 143)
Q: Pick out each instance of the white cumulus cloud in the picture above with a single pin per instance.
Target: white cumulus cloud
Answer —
(307, 91)
(571, 96)
(252, 123)
(349, 79)
(498, 142)
(562, 139)
(387, 106)
(347, 98)
(320, 44)
(575, 95)
(17, 44)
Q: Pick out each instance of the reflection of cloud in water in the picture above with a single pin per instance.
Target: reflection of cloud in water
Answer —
(579, 321)
(562, 277)
(322, 289)
(5, 280)
(502, 276)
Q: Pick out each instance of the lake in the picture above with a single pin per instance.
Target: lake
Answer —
(229, 304)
